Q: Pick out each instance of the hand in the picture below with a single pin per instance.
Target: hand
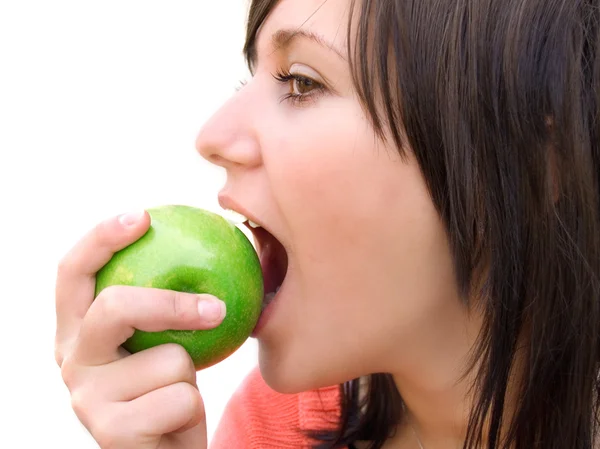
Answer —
(148, 400)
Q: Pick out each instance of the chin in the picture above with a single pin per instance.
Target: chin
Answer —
(280, 378)
(292, 378)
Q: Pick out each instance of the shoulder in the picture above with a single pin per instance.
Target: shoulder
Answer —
(256, 416)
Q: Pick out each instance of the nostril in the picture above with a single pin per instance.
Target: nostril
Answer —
(233, 150)
(216, 159)
(204, 146)
(214, 138)
(230, 137)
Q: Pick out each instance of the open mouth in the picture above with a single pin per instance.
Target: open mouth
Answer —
(273, 261)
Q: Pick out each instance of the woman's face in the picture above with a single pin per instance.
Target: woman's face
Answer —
(368, 264)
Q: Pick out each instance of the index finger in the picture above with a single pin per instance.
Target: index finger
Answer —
(75, 280)
(120, 310)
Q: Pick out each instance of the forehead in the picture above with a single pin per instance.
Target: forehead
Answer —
(328, 18)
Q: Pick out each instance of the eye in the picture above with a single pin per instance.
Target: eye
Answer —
(301, 87)
(298, 84)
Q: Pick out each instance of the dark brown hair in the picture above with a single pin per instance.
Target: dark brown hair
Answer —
(499, 102)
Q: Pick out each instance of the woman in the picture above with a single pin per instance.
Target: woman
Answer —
(428, 171)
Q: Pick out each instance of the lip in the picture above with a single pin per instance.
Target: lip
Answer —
(227, 202)
(265, 315)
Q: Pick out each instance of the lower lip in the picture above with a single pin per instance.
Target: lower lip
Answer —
(265, 316)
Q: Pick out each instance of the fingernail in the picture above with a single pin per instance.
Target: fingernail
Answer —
(211, 309)
(131, 218)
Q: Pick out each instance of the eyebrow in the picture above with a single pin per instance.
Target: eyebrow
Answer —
(283, 39)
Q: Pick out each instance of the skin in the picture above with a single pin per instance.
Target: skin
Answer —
(159, 409)
(370, 285)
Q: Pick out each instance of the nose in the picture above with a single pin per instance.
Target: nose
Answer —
(229, 138)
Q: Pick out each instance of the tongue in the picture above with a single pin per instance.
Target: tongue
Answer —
(272, 267)
(273, 259)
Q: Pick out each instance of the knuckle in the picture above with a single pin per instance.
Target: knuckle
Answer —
(77, 403)
(103, 426)
(111, 299)
(58, 356)
(198, 405)
(107, 430)
(62, 349)
(64, 266)
(179, 361)
(68, 262)
(180, 306)
(80, 405)
(101, 232)
(189, 398)
(68, 373)
(105, 436)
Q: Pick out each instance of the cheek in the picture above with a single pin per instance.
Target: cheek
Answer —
(360, 220)
(370, 253)
(338, 190)
(325, 167)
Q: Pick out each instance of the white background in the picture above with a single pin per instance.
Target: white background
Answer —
(100, 104)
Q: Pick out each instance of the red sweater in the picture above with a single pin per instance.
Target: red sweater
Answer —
(257, 417)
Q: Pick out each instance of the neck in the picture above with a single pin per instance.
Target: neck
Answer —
(432, 378)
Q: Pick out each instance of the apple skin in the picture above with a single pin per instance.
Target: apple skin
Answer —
(192, 250)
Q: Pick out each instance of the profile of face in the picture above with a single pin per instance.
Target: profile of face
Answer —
(370, 282)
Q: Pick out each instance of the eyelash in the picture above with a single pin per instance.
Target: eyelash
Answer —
(285, 77)
(241, 84)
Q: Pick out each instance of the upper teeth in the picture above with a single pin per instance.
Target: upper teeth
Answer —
(233, 216)
(236, 218)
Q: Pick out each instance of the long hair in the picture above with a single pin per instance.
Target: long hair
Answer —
(499, 102)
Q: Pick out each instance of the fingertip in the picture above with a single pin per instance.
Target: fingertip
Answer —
(211, 309)
(130, 219)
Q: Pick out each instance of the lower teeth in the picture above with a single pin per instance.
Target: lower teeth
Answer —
(269, 297)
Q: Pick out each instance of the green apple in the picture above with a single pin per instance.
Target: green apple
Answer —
(196, 251)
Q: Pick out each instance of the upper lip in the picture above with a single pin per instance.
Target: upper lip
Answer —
(227, 202)
(260, 238)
